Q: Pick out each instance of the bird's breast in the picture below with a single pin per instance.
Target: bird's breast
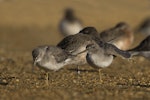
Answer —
(70, 28)
(51, 65)
(99, 60)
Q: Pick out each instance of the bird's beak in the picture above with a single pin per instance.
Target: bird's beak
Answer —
(82, 51)
(34, 62)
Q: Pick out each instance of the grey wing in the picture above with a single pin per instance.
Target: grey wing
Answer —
(60, 57)
(68, 43)
(110, 49)
(75, 43)
(65, 42)
(58, 54)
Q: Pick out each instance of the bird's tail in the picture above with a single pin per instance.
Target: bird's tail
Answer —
(145, 54)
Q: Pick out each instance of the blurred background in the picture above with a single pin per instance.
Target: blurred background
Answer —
(25, 24)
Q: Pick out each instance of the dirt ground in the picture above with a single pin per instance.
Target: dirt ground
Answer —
(25, 24)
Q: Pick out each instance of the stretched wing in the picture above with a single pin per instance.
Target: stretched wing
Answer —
(110, 49)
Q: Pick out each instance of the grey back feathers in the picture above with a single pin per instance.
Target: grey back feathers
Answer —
(58, 53)
(90, 31)
(75, 43)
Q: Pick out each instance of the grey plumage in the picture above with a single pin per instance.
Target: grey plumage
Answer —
(77, 43)
(50, 57)
(91, 32)
(113, 50)
(73, 43)
(104, 54)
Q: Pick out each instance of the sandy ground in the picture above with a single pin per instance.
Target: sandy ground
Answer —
(25, 24)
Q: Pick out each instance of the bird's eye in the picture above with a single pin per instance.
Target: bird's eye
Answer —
(36, 58)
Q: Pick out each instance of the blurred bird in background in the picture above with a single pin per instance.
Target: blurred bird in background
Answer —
(144, 27)
(70, 24)
(121, 36)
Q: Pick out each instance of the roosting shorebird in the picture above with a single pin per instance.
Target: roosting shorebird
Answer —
(70, 24)
(121, 36)
(102, 54)
(50, 58)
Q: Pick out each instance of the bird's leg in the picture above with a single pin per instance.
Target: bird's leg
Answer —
(78, 71)
(132, 60)
(33, 66)
(100, 75)
(47, 78)
(33, 69)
